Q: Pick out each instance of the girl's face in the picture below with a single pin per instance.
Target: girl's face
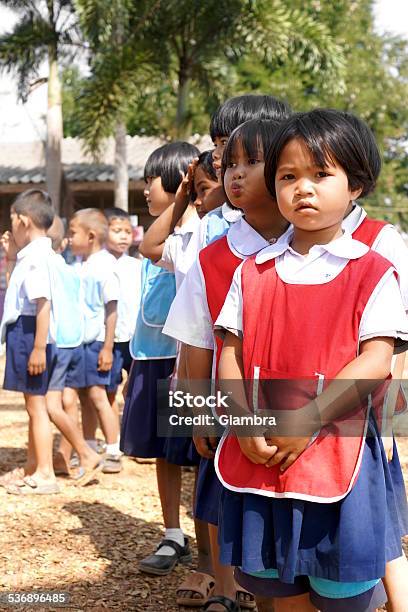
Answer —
(157, 199)
(209, 194)
(310, 197)
(244, 181)
(220, 142)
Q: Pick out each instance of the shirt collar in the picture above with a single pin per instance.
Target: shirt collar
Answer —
(39, 244)
(354, 219)
(244, 240)
(344, 247)
(230, 214)
(189, 227)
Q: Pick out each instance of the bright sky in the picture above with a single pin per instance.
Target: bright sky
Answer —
(22, 123)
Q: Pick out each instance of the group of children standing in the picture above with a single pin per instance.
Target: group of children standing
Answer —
(261, 265)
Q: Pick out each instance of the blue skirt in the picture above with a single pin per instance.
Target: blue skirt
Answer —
(208, 493)
(346, 541)
(138, 436)
(181, 451)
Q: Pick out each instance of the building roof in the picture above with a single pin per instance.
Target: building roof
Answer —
(25, 162)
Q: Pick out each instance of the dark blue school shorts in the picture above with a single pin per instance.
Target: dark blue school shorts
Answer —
(122, 360)
(19, 345)
(92, 376)
(69, 370)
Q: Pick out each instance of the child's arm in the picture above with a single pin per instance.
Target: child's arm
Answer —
(359, 378)
(153, 242)
(231, 367)
(391, 399)
(105, 358)
(37, 361)
(199, 366)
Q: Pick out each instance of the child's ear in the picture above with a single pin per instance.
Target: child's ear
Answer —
(24, 220)
(64, 245)
(91, 235)
(356, 193)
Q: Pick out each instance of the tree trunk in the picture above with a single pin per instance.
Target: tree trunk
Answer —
(121, 169)
(182, 115)
(54, 131)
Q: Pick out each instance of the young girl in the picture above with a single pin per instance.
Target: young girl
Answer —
(167, 242)
(153, 359)
(313, 518)
(208, 283)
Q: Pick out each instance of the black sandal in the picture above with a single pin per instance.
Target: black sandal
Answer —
(160, 565)
(229, 604)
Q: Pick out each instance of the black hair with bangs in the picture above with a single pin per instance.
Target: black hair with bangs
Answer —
(205, 161)
(169, 162)
(236, 111)
(253, 136)
(331, 138)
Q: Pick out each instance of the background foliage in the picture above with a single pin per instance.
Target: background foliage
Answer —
(164, 67)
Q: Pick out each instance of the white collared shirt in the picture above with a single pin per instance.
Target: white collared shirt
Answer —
(178, 254)
(129, 272)
(29, 282)
(384, 314)
(100, 285)
(389, 243)
(189, 319)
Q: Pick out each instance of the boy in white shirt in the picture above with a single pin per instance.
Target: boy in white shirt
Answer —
(88, 230)
(129, 272)
(30, 350)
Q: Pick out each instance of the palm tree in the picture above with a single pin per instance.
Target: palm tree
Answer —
(46, 31)
(120, 62)
(196, 45)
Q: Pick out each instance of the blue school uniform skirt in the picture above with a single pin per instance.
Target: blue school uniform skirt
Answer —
(19, 345)
(346, 541)
(139, 422)
(208, 493)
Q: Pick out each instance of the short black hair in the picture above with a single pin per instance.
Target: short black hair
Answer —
(169, 162)
(205, 161)
(237, 110)
(330, 137)
(35, 204)
(115, 213)
(252, 135)
(368, 141)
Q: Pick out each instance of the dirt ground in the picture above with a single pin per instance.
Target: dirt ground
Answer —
(87, 541)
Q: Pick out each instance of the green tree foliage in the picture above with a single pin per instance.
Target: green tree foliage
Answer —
(184, 55)
(375, 88)
(46, 31)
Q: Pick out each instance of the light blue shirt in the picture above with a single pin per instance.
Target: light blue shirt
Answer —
(66, 308)
(218, 222)
(157, 294)
(99, 285)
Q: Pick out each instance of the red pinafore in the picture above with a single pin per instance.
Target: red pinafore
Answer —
(287, 341)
